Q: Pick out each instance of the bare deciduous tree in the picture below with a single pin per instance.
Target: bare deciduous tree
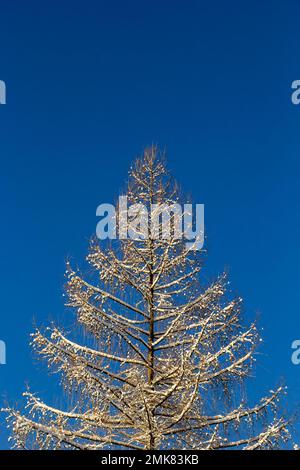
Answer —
(169, 356)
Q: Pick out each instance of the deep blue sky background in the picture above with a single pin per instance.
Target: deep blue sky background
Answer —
(89, 85)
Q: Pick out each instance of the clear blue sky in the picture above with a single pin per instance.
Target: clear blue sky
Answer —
(89, 85)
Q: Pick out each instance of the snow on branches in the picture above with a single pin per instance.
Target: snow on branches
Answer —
(170, 354)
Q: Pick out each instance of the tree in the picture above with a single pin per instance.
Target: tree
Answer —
(168, 358)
